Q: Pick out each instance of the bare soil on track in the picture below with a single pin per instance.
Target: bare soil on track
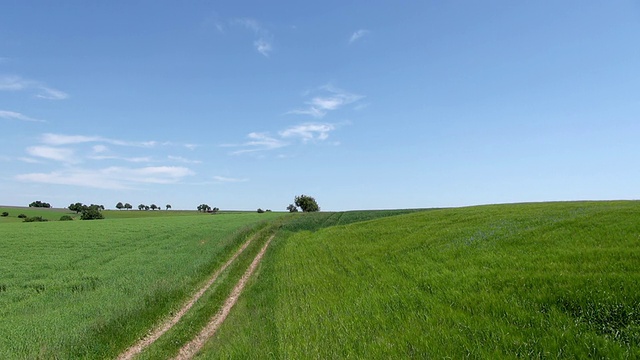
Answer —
(154, 334)
(190, 349)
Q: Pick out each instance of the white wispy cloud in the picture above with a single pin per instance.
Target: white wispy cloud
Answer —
(43, 91)
(328, 98)
(61, 139)
(99, 149)
(152, 174)
(228, 179)
(82, 178)
(58, 139)
(12, 115)
(51, 94)
(264, 47)
(139, 159)
(53, 153)
(61, 147)
(308, 131)
(264, 42)
(29, 160)
(258, 141)
(111, 177)
(305, 133)
(357, 35)
(13, 83)
(183, 160)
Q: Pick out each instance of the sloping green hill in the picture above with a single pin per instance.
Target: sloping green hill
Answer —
(557, 280)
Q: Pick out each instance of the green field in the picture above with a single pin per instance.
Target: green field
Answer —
(532, 280)
(543, 280)
(87, 289)
(49, 214)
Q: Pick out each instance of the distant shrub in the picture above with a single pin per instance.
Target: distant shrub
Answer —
(22, 216)
(34, 219)
(268, 210)
(65, 218)
(40, 204)
(91, 213)
(260, 211)
(4, 214)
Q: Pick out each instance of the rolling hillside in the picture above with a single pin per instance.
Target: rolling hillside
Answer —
(558, 280)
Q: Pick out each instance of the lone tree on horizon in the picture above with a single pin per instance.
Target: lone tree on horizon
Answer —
(204, 207)
(168, 206)
(306, 203)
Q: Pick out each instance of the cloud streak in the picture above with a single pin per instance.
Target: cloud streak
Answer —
(328, 98)
(258, 141)
(53, 153)
(358, 35)
(113, 178)
(308, 132)
(183, 160)
(16, 83)
(61, 139)
(228, 179)
(12, 115)
(264, 40)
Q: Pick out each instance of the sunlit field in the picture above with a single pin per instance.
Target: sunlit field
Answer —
(86, 289)
(543, 280)
(554, 280)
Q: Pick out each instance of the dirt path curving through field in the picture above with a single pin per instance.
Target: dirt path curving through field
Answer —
(190, 349)
(166, 326)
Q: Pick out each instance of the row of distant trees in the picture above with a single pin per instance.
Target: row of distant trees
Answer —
(207, 208)
(128, 206)
(303, 202)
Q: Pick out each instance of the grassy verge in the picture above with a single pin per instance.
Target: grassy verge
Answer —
(558, 280)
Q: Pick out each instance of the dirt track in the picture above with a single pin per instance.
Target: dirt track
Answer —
(166, 326)
(191, 348)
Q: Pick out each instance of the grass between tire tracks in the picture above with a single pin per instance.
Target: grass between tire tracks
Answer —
(209, 304)
(190, 349)
(167, 325)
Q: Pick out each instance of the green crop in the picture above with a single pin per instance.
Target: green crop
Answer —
(547, 280)
(88, 289)
(554, 280)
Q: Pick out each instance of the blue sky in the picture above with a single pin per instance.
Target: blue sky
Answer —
(361, 104)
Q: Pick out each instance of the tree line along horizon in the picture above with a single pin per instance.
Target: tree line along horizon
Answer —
(303, 202)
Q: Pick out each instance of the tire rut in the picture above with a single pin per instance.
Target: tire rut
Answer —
(154, 334)
(190, 349)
